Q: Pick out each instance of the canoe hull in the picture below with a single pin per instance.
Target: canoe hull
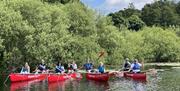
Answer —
(16, 77)
(62, 77)
(97, 76)
(135, 75)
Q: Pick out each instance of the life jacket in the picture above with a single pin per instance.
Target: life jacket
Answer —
(126, 65)
(24, 69)
(42, 67)
(88, 66)
(136, 66)
(58, 69)
(101, 69)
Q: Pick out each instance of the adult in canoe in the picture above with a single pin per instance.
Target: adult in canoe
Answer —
(42, 67)
(88, 66)
(135, 67)
(101, 68)
(59, 68)
(126, 65)
(25, 69)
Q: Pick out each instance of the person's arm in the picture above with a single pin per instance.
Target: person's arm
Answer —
(22, 70)
(132, 65)
(58, 68)
(123, 65)
(98, 68)
(44, 67)
(28, 69)
(91, 66)
(129, 63)
(76, 66)
(104, 70)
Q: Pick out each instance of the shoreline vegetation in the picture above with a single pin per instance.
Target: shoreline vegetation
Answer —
(65, 31)
(163, 64)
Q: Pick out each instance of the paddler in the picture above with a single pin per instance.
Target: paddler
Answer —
(101, 68)
(59, 68)
(25, 69)
(88, 66)
(42, 67)
(74, 66)
(126, 65)
(135, 67)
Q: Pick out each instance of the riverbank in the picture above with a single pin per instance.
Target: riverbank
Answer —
(163, 64)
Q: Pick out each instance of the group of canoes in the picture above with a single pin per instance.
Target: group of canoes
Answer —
(60, 68)
(129, 70)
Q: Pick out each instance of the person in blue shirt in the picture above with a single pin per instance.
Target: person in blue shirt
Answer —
(101, 68)
(88, 66)
(135, 67)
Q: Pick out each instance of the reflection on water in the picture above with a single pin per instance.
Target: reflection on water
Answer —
(101, 86)
(167, 80)
(138, 86)
(123, 84)
(57, 86)
(25, 85)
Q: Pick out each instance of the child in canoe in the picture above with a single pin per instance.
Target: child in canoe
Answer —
(101, 68)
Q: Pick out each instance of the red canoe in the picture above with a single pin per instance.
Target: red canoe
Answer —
(98, 76)
(62, 77)
(17, 77)
(135, 75)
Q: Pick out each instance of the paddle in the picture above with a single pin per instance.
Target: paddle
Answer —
(100, 55)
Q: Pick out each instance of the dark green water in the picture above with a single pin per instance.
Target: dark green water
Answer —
(167, 79)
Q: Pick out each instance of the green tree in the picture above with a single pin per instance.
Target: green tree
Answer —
(160, 13)
(178, 8)
(135, 23)
(61, 1)
(118, 20)
(131, 10)
(82, 20)
(109, 40)
(162, 45)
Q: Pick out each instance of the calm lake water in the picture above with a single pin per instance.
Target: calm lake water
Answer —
(167, 79)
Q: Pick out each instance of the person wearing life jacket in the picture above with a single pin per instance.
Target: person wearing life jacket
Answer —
(135, 67)
(25, 69)
(88, 66)
(59, 68)
(126, 65)
(74, 66)
(42, 67)
(101, 68)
